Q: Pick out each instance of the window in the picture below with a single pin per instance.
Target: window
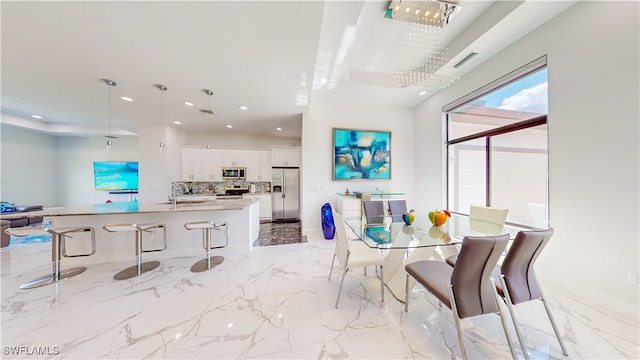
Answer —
(497, 153)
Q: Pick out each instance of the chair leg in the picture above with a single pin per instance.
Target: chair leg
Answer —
(341, 282)
(381, 284)
(406, 296)
(513, 316)
(456, 318)
(553, 324)
(504, 323)
(331, 270)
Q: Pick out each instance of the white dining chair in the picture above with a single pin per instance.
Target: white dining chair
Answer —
(352, 254)
(482, 221)
(488, 214)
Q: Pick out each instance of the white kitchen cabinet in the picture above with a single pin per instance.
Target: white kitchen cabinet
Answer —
(211, 165)
(265, 165)
(252, 164)
(285, 157)
(200, 165)
(187, 164)
(265, 204)
(234, 158)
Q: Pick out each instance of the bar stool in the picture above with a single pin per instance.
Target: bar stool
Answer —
(210, 261)
(139, 229)
(58, 249)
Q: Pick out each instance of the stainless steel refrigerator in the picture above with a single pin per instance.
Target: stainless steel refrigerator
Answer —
(285, 193)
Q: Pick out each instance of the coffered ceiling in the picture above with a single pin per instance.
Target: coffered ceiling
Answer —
(272, 57)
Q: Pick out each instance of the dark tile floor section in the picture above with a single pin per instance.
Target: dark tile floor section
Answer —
(279, 233)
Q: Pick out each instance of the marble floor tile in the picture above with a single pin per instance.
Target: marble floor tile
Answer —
(280, 233)
(270, 302)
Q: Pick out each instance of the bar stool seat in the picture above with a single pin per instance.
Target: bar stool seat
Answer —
(58, 249)
(210, 261)
(139, 229)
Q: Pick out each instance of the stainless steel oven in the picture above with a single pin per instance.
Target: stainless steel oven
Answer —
(234, 173)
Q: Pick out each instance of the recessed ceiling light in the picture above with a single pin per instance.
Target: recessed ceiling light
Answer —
(423, 92)
(177, 122)
(279, 129)
(36, 116)
(242, 107)
(229, 126)
(188, 103)
(126, 99)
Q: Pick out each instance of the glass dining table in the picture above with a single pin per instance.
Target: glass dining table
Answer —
(403, 244)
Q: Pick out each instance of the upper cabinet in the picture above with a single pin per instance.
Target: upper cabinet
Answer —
(200, 165)
(285, 157)
(264, 165)
(235, 158)
(252, 163)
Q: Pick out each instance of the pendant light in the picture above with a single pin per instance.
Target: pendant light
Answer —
(110, 84)
(161, 147)
(208, 110)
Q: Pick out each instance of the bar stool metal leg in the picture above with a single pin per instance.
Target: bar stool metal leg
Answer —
(57, 238)
(140, 267)
(210, 261)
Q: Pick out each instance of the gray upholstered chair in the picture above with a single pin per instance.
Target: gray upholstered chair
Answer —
(397, 208)
(373, 211)
(354, 254)
(467, 289)
(518, 282)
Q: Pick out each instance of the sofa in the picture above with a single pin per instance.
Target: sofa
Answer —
(18, 221)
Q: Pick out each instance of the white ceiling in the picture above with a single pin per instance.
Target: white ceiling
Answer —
(269, 56)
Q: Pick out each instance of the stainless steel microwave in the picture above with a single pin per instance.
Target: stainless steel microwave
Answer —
(234, 173)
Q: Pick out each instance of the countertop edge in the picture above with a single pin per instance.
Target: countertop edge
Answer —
(129, 208)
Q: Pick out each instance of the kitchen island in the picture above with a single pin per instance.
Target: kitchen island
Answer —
(240, 215)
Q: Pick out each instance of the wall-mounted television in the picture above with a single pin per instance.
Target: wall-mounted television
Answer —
(115, 175)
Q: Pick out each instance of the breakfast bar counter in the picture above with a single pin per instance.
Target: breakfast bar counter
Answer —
(241, 216)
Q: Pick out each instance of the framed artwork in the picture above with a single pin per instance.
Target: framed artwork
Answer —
(361, 154)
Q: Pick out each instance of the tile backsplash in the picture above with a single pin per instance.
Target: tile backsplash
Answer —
(218, 187)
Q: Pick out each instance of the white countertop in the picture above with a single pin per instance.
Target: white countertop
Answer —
(137, 207)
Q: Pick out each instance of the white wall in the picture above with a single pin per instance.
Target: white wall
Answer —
(29, 166)
(594, 128)
(74, 172)
(317, 185)
(158, 170)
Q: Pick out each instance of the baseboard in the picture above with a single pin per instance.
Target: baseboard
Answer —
(313, 233)
(589, 296)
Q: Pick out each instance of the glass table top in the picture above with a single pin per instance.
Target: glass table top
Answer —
(397, 235)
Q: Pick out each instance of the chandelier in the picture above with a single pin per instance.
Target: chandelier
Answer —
(431, 12)
(424, 49)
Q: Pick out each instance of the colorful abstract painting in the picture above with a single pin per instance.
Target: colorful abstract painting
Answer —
(361, 154)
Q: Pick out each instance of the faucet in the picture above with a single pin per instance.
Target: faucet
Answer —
(174, 189)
